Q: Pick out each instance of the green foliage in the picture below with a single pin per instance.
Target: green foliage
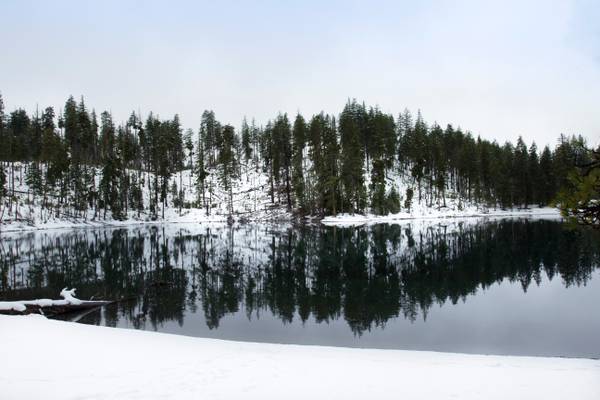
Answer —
(580, 200)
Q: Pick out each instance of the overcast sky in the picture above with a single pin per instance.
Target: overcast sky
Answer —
(499, 69)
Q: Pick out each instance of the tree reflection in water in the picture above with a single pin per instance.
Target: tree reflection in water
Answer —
(365, 275)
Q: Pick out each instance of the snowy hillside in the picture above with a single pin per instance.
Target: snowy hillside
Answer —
(251, 201)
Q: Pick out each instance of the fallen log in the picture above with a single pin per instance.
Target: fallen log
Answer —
(48, 307)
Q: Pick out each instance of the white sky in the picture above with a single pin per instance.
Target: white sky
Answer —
(499, 69)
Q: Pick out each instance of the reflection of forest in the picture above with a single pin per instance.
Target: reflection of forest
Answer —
(365, 275)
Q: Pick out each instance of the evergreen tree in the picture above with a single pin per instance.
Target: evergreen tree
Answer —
(521, 173)
(246, 140)
(201, 175)
(328, 174)
(533, 171)
(210, 135)
(19, 127)
(378, 197)
(282, 155)
(34, 179)
(299, 136)
(227, 162)
(547, 182)
(109, 187)
(70, 123)
(352, 158)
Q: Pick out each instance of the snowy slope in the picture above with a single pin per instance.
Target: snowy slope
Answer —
(58, 360)
(251, 202)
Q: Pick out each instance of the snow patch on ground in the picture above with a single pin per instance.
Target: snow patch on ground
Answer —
(111, 363)
(432, 213)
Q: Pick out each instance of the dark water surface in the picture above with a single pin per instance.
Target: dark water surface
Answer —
(510, 286)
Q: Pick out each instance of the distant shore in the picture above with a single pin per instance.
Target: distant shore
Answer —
(197, 216)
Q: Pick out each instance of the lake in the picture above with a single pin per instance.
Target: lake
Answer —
(498, 286)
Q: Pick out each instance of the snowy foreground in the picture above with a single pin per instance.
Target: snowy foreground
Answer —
(45, 359)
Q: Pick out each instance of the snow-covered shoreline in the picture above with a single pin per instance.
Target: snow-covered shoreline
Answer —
(195, 216)
(433, 214)
(251, 204)
(49, 359)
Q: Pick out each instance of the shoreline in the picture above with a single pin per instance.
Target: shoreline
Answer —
(90, 362)
(341, 220)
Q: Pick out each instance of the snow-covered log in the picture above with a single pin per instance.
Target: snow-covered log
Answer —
(69, 303)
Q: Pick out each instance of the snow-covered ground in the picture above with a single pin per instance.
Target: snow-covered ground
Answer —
(251, 202)
(46, 359)
(434, 213)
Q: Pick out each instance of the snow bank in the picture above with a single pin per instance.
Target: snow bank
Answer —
(121, 364)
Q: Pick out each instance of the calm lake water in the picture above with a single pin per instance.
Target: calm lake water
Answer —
(508, 286)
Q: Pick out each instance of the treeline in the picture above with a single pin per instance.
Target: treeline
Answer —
(319, 166)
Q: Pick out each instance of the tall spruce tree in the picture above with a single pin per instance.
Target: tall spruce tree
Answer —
(352, 158)
(227, 163)
(299, 137)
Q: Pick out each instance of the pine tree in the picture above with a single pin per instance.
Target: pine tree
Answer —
(282, 155)
(328, 175)
(416, 151)
(34, 147)
(378, 197)
(189, 147)
(299, 136)
(404, 133)
(109, 187)
(227, 162)
(70, 122)
(547, 182)
(352, 159)
(34, 179)
(201, 175)
(246, 140)
(210, 135)
(521, 173)
(533, 171)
